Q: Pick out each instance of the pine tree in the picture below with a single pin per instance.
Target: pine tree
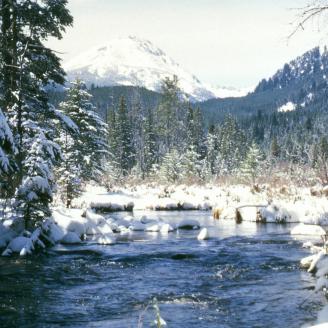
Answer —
(126, 155)
(322, 159)
(27, 66)
(7, 147)
(232, 146)
(251, 165)
(113, 166)
(170, 169)
(85, 147)
(191, 165)
(170, 120)
(199, 132)
(274, 149)
(150, 145)
(211, 159)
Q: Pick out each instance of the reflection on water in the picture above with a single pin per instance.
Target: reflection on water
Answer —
(245, 276)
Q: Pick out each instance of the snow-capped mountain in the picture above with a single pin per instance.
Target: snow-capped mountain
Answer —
(136, 62)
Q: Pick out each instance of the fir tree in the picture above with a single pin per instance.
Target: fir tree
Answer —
(113, 142)
(170, 169)
(274, 148)
(211, 159)
(232, 146)
(170, 117)
(191, 165)
(251, 165)
(7, 147)
(125, 150)
(27, 66)
(84, 147)
(150, 146)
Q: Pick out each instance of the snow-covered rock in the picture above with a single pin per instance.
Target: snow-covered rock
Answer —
(70, 220)
(137, 226)
(71, 238)
(105, 240)
(308, 229)
(56, 232)
(307, 261)
(153, 227)
(166, 228)
(189, 206)
(203, 234)
(316, 259)
(18, 243)
(188, 224)
(95, 217)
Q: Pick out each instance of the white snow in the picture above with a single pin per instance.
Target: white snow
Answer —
(288, 107)
(229, 92)
(18, 243)
(188, 224)
(71, 238)
(137, 62)
(203, 235)
(308, 229)
(298, 206)
(105, 240)
(166, 228)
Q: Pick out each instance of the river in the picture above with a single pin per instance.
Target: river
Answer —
(247, 275)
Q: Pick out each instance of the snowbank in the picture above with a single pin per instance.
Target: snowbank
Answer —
(318, 264)
(308, 229)
(282, 205)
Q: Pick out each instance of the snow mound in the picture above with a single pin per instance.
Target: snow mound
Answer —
(308, 229)
(188, 224)
(71, 238)
(105, 240)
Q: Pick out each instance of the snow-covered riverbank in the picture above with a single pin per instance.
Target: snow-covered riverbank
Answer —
(276, 205)
(87, 218)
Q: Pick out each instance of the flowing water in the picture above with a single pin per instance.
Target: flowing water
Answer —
(246, 276)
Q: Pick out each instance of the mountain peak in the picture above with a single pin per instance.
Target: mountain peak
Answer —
(133, 61)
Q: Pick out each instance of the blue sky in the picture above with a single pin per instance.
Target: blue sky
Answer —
(222, 42)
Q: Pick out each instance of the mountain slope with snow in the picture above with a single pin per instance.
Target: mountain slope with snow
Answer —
(136, 62)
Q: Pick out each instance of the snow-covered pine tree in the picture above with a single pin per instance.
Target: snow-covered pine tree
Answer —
(322, 159)
(191, 164)
(150, 145)
(112, 166)
(28, 67)
(232, 146)
(198, 132)
(252, 164)
(137, 119)
(84, 148)
(171, 168)
(211, 159)
(7, 148)
(125, 149)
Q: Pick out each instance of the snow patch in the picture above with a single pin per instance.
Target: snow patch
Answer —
(288, 107)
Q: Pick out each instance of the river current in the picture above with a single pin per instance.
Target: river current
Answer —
(246, 275)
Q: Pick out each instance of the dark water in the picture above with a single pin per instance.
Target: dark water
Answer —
(247, 276)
